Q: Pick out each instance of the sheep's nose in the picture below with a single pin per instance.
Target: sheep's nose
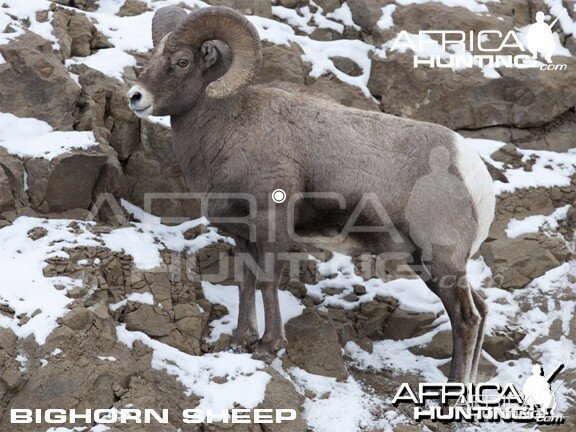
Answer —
(135, 97)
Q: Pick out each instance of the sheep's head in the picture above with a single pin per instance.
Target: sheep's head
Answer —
(215, 50)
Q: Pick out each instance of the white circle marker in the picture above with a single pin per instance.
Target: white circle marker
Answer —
(278, 196)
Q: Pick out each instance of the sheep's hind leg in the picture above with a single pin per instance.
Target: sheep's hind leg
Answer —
(449, 282)
(465, 322)
(483, 311)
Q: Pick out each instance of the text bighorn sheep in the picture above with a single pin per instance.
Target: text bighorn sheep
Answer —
(414, 188)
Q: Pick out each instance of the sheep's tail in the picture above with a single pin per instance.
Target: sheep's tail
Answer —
(495, 173)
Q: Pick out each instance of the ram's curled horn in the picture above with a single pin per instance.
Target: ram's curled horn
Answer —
(232, 28)
(166, 20)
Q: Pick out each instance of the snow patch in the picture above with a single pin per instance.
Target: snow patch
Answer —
(24, 287)
(413, 294)
(550, 169)
(557, 9)
(228, 296)
(145, 298)
(109, 61)
(244, 383)
(344, 15)
(25, 11)
(532, 224)
(472, 5)
(386, 21)
(29, 137)
(332, 405)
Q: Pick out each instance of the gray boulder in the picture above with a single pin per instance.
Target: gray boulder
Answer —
(366, 13)
(247, 7)
(373, 316)
(281, 393)
(405, 325)
(87, 5)
(521, 97)
(35, 83)
(132, 8)
(313, 345)
(6, 198)
(151, 320)
(516, 262)
(145, 174)
(65, 183)
(329, 5)
(281, 63)
(75, 33)
(292, 3)
(440, 347)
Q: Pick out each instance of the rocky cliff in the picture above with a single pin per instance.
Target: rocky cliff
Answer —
(103, 305)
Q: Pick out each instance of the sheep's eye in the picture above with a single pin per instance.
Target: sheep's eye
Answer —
(182, 63)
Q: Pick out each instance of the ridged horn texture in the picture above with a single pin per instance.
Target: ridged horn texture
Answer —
(166, 20)
(232, 28)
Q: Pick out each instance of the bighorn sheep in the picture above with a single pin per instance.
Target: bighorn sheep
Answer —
(434, 190)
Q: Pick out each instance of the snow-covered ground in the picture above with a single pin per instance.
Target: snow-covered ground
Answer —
(26, 290)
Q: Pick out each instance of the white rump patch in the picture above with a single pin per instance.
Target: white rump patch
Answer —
(477, 180)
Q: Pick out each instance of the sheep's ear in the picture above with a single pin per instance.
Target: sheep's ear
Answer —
(210, 53)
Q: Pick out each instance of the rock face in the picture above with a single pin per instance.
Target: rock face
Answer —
(373, 317)
(76, 34)
(148, 175)
(515, 262)
(132, 8)
(439, 348)
(280, 392)
(281, 63)
(365, 13)
(64, 183)
(521, 98)
(35, 83)
(313, 345)
(13, 197)
(103, 108)
(6, 198)
(405, 325)
(249, 7)
(150, 320)
(64, 78)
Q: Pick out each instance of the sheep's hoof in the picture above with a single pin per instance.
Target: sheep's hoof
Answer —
(243, 342)
(265, 350)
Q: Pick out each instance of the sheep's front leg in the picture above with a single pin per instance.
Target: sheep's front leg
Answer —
(274, 337)
(246, 333)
